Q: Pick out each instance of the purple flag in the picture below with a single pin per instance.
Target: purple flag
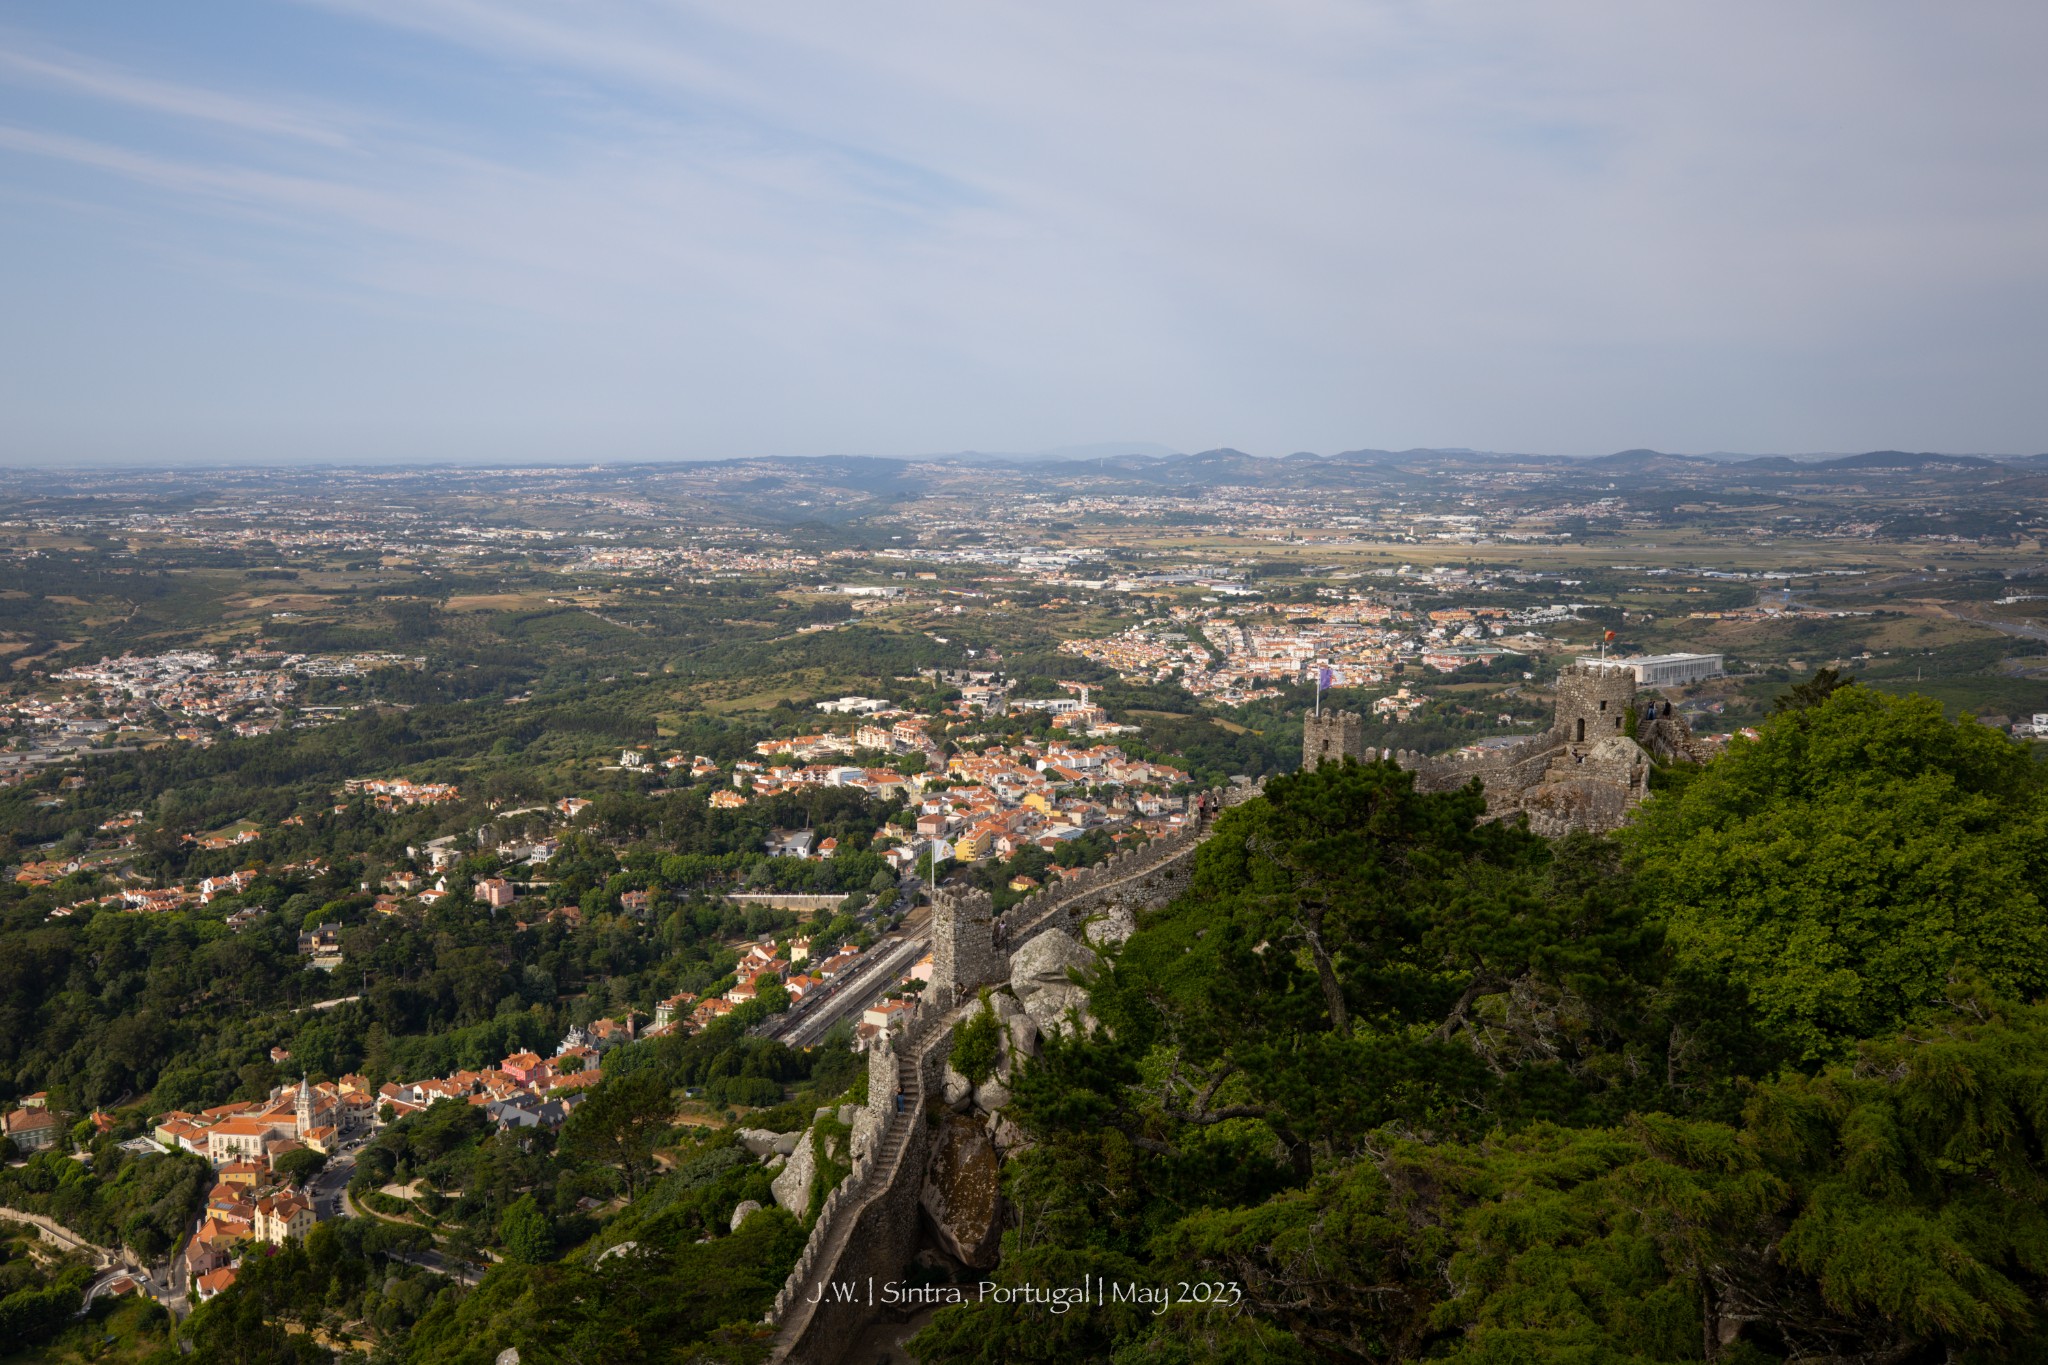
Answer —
(1323, 679)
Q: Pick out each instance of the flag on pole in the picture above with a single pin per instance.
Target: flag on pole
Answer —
(1323, 679)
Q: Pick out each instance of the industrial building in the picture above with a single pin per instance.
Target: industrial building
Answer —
(1666, 670)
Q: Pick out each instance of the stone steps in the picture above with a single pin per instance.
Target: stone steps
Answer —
(793, 1311)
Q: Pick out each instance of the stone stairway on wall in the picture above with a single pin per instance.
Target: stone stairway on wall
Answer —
(879, 1181)
(880, 1197)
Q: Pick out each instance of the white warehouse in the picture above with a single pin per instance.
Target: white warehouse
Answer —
(1667, 670)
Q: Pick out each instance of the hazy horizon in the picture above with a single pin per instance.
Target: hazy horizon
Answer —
(1066, 455)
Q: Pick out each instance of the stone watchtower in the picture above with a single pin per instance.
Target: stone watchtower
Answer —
(964, 952)
(1593, 701)
(882, 1079)
(1330, 736)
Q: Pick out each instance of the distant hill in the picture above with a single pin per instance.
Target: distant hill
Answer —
(1100, 449)
(1140, 468)
(1641, 460)
(1903, 459)
(1150, 463)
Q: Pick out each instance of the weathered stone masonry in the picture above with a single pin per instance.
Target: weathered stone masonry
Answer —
(868, 1227)
(1584, 773)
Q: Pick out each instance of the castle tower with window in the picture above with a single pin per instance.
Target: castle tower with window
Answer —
(1328, 737)
(1594, 701)
(1586, 772)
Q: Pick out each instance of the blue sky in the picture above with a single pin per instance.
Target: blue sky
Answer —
(538, 230)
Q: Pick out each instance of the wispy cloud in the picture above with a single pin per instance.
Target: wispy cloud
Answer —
(70, 74)
(1288, 224)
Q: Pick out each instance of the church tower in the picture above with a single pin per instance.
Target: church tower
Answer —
(304, 1109)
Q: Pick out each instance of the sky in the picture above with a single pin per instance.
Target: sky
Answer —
(237, 231)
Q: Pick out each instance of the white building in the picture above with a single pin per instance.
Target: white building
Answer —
(1666, 670)
(855, 706)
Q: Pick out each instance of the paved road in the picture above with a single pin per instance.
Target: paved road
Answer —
(881, 967)
(2026, 630)
(177, 1295)
(99, 1285)
(460, 1271)
(326, 1189)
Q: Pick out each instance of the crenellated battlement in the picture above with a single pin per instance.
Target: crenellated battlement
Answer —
(1331, 736)
(1594, 701)
(1586, 772)
(868, 1225)
(965, 953)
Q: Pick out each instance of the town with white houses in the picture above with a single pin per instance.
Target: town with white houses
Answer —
(185, 696)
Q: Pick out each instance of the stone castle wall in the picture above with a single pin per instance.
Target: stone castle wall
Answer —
(1328, 736)
(1586, 772)
(1665, 735)
(1593, 702)
(964, 943)
(868, 1227)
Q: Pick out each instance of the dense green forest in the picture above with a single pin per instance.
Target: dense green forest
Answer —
(105, 1008)
(1759, 1080)
(39, 1293)
(614, 1241)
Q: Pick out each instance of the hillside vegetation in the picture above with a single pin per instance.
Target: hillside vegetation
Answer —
(1761, 1080)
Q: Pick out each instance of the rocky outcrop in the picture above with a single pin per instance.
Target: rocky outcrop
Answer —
(1114, 926)
(1022, 1033)
(992, 1094)
(763, 1143)
(962, 1195)
(1045, 961)
(742, 1209)
(956, 1092)
(792, 1188)
(1060, 1010)
(1016, 1041)
(1041, 977)
(1007, 1136)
